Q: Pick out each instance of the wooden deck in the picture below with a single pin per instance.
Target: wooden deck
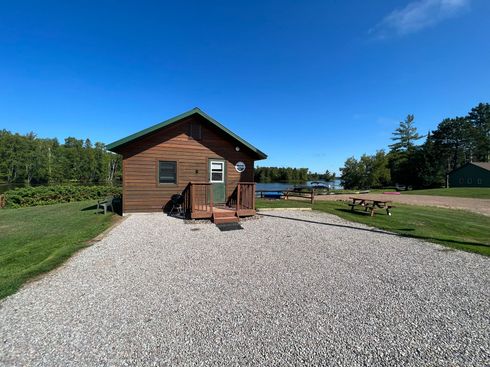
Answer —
(220, 211)
(199, 204)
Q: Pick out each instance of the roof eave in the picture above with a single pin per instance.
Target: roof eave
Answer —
(116, 144)
(149, 130)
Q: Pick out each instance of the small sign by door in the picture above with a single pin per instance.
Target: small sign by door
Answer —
(240, 167)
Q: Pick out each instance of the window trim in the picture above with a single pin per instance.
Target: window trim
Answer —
(223, 165)
(176, 172)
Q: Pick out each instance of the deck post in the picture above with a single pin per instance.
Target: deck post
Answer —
(312, 196)
(191, 196)
(211, 197)
(238, 189)
(253, 197)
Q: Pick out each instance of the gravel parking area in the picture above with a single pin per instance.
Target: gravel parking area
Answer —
(296, 288)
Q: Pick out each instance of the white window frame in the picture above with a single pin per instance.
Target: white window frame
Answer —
(222, 164)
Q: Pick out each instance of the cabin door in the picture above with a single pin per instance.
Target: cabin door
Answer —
(217, 178)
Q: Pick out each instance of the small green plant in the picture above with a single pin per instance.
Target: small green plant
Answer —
(47, 195)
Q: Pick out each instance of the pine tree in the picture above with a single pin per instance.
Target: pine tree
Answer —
(479, 117)
(405, 136)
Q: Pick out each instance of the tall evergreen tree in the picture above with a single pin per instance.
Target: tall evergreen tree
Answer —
(402, 165)
(479, 117)
(405, 136)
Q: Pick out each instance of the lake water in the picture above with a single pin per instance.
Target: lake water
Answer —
(279, 186)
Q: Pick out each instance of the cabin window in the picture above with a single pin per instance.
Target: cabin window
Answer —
(195, 130)
(469, 181)
(480, 181)
(217, 172)
(167, 172)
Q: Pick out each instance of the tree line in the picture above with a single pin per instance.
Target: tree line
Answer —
(289, 174)
(27, 158)
(455, 142)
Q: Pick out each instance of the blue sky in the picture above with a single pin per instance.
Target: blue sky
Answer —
(308, 82)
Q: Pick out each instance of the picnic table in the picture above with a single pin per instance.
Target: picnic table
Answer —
(370, 204)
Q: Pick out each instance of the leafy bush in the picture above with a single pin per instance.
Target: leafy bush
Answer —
(46, 195)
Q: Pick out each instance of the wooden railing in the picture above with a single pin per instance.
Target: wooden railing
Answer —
(198, 196)
(243, 197)
(308, 194)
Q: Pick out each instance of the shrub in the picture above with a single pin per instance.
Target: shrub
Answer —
(47, 195)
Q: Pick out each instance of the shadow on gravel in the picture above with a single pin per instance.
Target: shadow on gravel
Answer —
(330, 224)
(440, 241)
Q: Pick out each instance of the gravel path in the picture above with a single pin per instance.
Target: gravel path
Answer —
(480, 206)
(291, 288)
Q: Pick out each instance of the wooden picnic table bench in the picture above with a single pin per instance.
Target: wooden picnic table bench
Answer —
(370, 204)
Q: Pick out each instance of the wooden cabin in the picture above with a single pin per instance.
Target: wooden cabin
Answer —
(472, 174)
(194, 155)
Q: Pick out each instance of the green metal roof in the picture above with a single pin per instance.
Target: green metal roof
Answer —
(484, 165)
(114, 145)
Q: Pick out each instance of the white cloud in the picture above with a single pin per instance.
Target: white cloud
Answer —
(418, 15)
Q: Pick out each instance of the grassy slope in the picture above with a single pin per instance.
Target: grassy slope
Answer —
(37, 239)
(453, 228)
(463, 192)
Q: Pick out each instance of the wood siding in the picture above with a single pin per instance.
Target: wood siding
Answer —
(469, 176)
(141, 190)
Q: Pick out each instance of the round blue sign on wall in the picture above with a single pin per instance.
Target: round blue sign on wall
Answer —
(240, 167)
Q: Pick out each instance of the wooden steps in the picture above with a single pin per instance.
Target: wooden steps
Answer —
(221, 216)
(221, 220)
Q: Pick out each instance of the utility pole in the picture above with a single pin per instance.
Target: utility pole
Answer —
(447, 175)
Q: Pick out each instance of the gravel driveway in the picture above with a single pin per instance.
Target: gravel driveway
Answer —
(291, 288)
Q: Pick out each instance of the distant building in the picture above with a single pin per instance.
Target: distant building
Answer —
(474, 174)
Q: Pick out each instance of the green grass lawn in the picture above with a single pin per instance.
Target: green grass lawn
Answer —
(267, 203)
(453, 228)
(37, 239)
(463, 192)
